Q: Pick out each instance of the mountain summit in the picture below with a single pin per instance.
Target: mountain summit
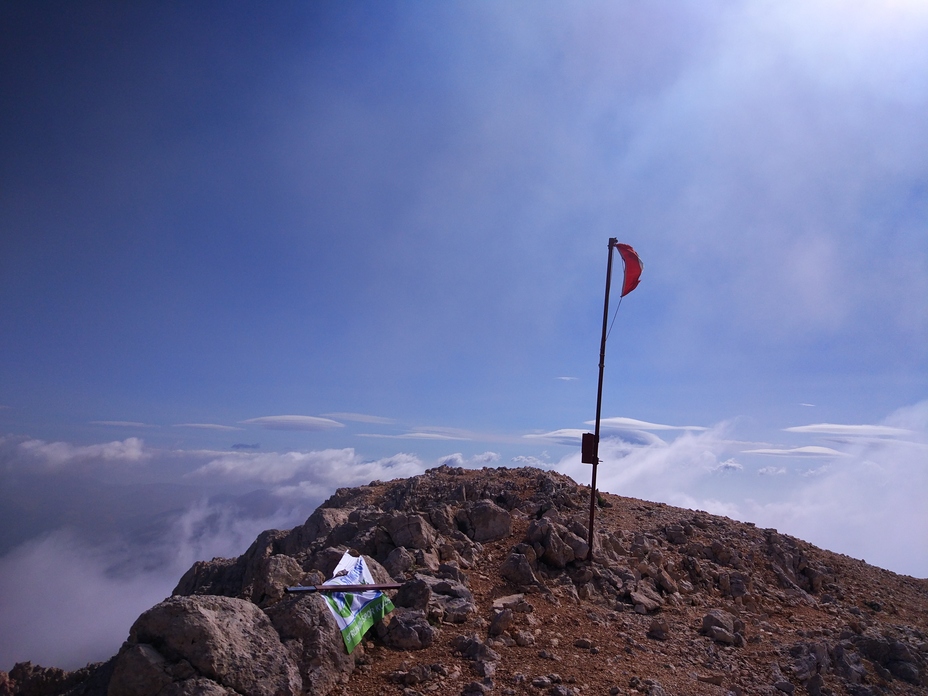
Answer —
(497, 598)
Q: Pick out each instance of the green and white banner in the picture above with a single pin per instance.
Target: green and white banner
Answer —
(355, 612)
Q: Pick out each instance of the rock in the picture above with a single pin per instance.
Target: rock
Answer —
(308, 630)
(411, 531)
(487, 521)
(26, 679)
(229, 641)
(659, 629)
(550, 546)
(720, 635)
(220, 576)
(675, 534)
(419, 674)
(275, 574)
(397, 562)
(415, 594)
(517, 570)
(140, 670)
(427, 560)
(407, 629)
(318, 526)
(472, 648)
(451, 571)
(501, 622)
(665, 582)
(719, 618)
(645, 598)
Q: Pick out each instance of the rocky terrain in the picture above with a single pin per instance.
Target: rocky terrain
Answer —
(497, 599)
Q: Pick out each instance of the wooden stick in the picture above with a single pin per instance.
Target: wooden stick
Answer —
(343, 588)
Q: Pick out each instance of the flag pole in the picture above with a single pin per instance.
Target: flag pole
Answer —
(599, 397)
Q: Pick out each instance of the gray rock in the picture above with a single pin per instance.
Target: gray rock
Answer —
(456, 609)
(645, 598)
(517, 570)
(199, 686)
(316, 528)
(407, 629)
(719, 618)
(488, 522)
(310, 634)
(472, 648)
(720, 635)
(501, 622)
(415, 594)
(397, 562)
(228, 640)
(659, 629)
(140, 670)
(665, 582)
(410, 531)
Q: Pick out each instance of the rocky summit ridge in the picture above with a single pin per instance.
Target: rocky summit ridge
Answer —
(496, 599)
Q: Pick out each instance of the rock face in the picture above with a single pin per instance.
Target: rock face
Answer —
(229, 642)
(498, 598)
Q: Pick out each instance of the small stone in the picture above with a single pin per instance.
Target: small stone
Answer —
(659, 629)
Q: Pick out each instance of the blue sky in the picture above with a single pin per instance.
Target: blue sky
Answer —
(388, 221)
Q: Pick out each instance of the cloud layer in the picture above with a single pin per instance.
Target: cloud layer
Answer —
(864, 498)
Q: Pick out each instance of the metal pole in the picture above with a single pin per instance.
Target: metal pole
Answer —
(599, 396)
(342, 588)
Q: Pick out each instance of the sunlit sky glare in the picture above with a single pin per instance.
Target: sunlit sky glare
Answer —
(256, 252)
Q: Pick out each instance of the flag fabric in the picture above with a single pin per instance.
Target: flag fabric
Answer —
(633, 268)
(355, 612)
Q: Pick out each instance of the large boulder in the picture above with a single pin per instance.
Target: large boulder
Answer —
(312, 637)
(410, 531)
(225, 641)
(485, 521)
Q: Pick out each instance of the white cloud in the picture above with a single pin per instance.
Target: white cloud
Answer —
(866, 502)
(729, 465)
(564, 436)
(361, 418)
(70, 609)
(622, 423)
(351, 473)
(458, 459)
(310, 423)
(525, 460)
(771, 471)
(274, 467)
(415, 435)
(807, 451)
(206, 426)
(852, 430)
(76, 601)
(60, 454)
(124, 424)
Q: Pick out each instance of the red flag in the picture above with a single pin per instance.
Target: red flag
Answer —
(633, 268)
